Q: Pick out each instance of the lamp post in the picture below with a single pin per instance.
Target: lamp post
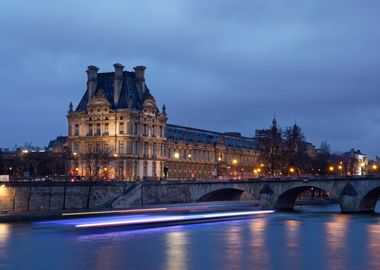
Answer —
(234, 163)
(331, 169)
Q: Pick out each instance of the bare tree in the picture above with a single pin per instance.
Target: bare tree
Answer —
(94, 159)
(271, 149)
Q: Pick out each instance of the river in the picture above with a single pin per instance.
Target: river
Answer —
(316, 237)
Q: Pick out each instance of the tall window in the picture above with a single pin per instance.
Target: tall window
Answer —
(161, 131)
(145, 130)
(135, 169)
(76, 147)
(121, 128)
(97, 129)
(154, 150)
(106, 128)
(76, 130)
(135, 129)
(154, 169)
(145, 169)
(154, 131)
(89, 130)
(145, 149)
(134, 148)
(121, 147)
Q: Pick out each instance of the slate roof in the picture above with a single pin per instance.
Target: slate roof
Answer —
(200, 136)
(60, 140)
(130, 95)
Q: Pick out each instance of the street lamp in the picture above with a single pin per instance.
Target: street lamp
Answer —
(176, 155)
(291, 170)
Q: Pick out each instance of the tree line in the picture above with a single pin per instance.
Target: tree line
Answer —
(284, 152)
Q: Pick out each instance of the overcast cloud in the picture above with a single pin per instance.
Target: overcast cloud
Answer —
(218, 65)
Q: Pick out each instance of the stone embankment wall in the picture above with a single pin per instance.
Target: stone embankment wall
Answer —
(17, 197)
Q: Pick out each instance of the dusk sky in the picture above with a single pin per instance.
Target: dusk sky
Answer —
(217, 65)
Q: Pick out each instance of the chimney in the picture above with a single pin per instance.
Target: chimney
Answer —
(140, 76)
(92, 80)
(118, 82)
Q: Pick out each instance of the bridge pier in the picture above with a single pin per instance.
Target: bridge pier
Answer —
(266, 198)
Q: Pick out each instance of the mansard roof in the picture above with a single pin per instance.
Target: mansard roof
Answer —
(200, 136)
(131, 94)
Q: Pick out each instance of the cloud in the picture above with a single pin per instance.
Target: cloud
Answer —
(225, 65)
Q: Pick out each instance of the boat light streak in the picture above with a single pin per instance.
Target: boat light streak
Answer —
(131, 222)
(116, 212)
(150, 220)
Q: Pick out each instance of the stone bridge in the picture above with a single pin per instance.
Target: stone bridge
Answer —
(353, 194)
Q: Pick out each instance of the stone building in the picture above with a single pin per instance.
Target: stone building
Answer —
(117, 131)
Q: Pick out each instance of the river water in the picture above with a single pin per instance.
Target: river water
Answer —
(310, 238)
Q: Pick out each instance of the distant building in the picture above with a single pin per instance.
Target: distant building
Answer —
(118, 116)
(352, 162)
(359, 162)
(58, 145)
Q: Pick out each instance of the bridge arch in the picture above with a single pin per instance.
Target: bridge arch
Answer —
(226, 194)
(287, 199)
(369, 200)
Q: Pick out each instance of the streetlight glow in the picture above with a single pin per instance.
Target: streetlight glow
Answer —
(331, 168)
(176, 155)
(234, 161)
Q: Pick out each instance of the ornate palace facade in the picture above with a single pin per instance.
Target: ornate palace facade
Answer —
(117, 131)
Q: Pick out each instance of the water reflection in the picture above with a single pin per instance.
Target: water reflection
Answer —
(292, 243)
(234, 247)
(176, 250)
(336, 235)
(374, 246)
(4, 233)
(258, 245)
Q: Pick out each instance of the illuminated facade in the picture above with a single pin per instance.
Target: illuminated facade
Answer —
(118, 117)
